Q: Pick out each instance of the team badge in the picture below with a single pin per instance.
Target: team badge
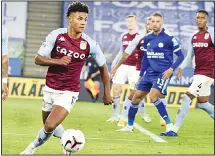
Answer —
(160, 45)
(148, 44)
(83, 45)
(125, 36)
(206, 36)
(195, 37)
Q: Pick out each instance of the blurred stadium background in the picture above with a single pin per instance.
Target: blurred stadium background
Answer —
(28, 24)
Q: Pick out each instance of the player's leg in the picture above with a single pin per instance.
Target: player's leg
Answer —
(142, 90)
(159, 88)
(125, 108)
(59, 130)
(63, 102)
(118, 80)
(162, 121)
(200, 87)
(203, 103)
(133, 80)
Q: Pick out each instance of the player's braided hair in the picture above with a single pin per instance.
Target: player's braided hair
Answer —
(77, 7)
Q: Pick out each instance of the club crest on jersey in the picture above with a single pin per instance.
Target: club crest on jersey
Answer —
(83, 45)
(195, 37)
(62, 39)
(125, 36)
(206, 36)
(160, 45)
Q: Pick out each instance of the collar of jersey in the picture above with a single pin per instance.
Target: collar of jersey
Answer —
(162, 32)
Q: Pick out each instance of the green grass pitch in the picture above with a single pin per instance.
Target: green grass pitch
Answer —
(21, 120)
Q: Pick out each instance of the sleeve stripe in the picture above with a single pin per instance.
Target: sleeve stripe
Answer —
(177, 49)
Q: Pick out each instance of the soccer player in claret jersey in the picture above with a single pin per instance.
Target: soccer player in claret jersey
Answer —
(65, 52)
(135, 47)
(127, 72)
(201, 45)
(156, 70)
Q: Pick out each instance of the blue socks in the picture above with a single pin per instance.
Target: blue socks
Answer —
(162, 110)
(132, 113)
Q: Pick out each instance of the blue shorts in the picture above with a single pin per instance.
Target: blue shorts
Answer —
(153, 81)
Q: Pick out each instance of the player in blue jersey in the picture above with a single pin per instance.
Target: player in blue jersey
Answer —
(5, 63)
(156, 70)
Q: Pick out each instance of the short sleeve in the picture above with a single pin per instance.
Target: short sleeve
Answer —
(97, 54)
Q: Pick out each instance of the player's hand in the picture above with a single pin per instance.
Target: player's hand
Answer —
(179, 73)
(107, 99)
(65, 60)
(113, 71)
(93, 75)
(167, 73)
(5, 91)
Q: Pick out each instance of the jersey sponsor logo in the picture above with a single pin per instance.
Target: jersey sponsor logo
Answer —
(200, 44)
(206, 36)
(155, 55)
(70, 53)
(83, 45)
(160, 45)
(62, 39)
(126, 42)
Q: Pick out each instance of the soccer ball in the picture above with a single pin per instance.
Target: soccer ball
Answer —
(72, 140)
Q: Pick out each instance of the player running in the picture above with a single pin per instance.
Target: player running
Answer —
(201, 45)
(65, 52)
(156, 70)
(5, 63)
(127, 72)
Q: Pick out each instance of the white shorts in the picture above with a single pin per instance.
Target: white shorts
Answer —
(201, 85)
(65, 99)
(125, 73)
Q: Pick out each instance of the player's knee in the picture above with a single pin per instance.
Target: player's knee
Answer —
(116, 90)
(153, 95)
(137, 98)
(49, 126)
(191, 96)
(131, 94)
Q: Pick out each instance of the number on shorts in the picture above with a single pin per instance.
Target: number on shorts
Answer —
(73, 100)
(200, 85)
(160, 82)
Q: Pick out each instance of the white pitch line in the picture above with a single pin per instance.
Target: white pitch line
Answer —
(147, 132)
(19, 134)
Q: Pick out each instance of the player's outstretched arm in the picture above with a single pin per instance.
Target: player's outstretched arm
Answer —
(107, 99)
(46, 61)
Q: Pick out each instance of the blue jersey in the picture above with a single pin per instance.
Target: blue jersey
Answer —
(159, 50)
